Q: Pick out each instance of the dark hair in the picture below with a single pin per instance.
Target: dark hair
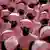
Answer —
(4, 6)
(21, 12)
(3, 46)
(30, 16)
(25, 31)
(46, 10)
(30, 46)
(13, 24)
(44, 22)
(11, 9)
(43, 1)
(32, 5)
(5, 19)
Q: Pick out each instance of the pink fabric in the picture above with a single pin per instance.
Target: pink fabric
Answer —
(36, 26)
(7, 34)
(24, 41)
(40, 45)
(17, 31)
(11, 43)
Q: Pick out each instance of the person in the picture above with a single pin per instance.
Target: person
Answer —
(45, 34)
(26, 34)
(39, 45)
(11, 43)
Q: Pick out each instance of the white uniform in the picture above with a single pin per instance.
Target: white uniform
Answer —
(11, 43)
(40, 45)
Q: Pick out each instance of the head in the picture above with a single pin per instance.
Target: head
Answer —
(26, 24)
(45, 34)
(4, 6)
(5, 19)
(43, 1)
(43, 15)
(13, 24)
(39, 45)
(14, 17)
(11, 9)
(25, 31)
(44, 22)
(21, 11)
(30, 16)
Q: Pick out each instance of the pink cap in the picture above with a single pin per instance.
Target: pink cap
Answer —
(27, 23)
